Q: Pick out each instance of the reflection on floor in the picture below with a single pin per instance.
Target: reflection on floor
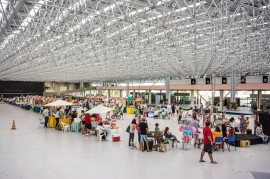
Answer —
(32, 152)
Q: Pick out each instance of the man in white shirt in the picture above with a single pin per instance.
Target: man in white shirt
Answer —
(46, 116)
(101, 130)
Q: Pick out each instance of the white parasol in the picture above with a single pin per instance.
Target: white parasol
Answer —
(99, 110)
(59, 103)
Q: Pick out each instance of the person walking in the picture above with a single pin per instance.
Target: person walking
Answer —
(46, 116)
(180, 113)
(208, 142)
(57, 116)
(173, 109)
(131, 132)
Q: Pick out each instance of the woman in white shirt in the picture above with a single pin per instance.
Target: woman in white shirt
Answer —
(101, 130)
(132, 128)
(57, 116)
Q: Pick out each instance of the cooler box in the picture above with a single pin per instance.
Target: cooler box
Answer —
(116, 138)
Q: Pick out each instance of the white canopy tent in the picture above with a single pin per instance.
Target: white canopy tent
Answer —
(99, 110)
(59, 103)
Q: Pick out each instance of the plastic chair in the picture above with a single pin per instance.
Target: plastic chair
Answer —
(99, 136)
(41, 122)
(219, 143)
(231, 140)
(171, 140)
(65, 127)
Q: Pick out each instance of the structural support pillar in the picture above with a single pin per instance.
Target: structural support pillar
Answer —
(100, 90)
(192, 98)
(149, 97)
(121, 93)
(134, 94)
(233, 87)
(81, 85)
(221, 99)
(168, 95)
(90, 85)
(109, 94)
(127, 89)
(259, 97)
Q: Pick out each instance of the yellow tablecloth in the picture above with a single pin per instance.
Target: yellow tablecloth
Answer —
(52, 121)
(130, 110)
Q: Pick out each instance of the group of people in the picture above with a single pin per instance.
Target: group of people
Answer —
(140, 125)
(58, 113)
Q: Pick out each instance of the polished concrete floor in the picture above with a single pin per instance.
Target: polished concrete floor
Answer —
(41, 153)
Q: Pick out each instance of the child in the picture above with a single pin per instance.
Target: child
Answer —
(231, 132)
(156, 127)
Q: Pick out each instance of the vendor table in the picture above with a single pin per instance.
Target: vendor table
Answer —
(76, 126)
(52, 121)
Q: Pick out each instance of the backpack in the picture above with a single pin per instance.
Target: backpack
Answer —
(128, 129)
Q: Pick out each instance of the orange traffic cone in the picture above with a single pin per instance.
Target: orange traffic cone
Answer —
(13, 125)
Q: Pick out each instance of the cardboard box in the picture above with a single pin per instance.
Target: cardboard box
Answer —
(244, 143)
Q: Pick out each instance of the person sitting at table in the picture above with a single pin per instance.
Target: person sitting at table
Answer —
(170, 136)
(259, 132)
(217, 133)
(156, 127)
(101, 131)
(88, 124)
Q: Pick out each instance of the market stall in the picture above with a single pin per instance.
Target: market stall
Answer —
(58, 103)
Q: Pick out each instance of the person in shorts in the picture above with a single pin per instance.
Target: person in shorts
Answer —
(208, 143)
(143, 127)
(88, 124)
